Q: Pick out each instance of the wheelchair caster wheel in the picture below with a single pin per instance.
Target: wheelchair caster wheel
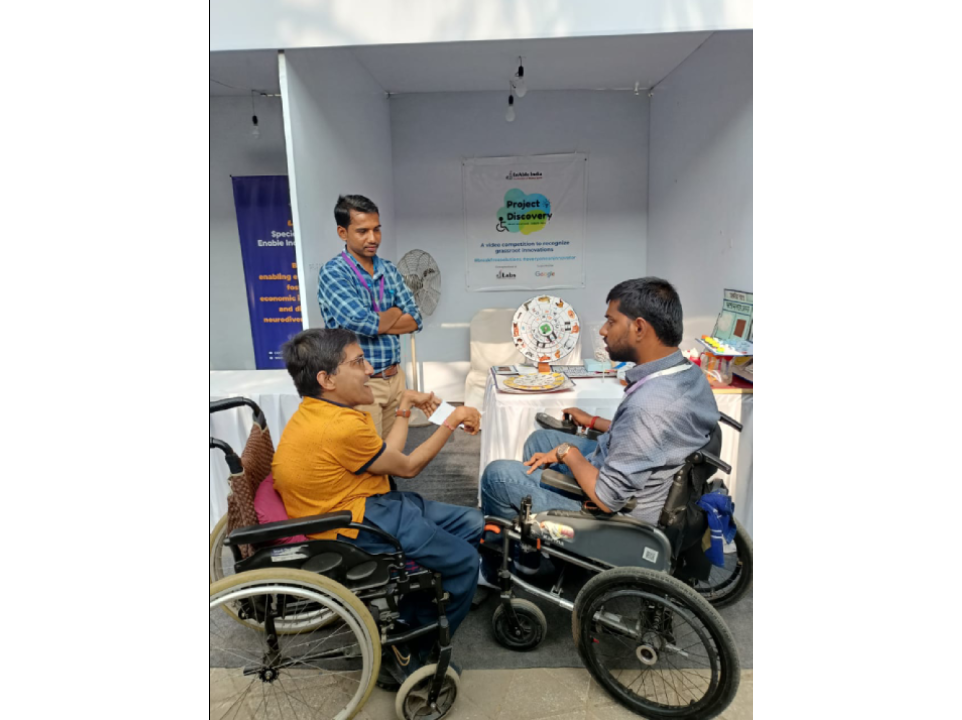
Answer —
(412, 698)
(531, 629)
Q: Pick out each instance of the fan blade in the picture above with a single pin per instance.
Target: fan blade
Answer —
(428, 301)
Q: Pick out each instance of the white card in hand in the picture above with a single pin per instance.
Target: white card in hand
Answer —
(442, 413)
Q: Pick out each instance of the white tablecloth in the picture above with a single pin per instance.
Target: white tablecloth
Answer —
(509, 420)
(273, 391)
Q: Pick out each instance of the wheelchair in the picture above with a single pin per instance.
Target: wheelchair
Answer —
(297, 626)
(643, 624)
(721, 586)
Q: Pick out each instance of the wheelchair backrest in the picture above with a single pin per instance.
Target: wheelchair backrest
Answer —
(682, 520)
(256, 459)
(702, 472)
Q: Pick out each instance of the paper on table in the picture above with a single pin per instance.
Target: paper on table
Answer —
(442, 413)
(525, 370)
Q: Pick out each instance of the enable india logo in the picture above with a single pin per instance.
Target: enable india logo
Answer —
(524, 213)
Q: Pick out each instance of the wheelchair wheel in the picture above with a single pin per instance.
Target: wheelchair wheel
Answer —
(256, 672)
(221, 558)
(726, 586)
(412, 698)
(656, 645)
(534, 626)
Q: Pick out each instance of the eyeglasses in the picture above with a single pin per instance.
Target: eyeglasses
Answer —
(358, 361)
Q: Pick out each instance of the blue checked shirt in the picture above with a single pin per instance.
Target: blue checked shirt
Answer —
(346, 303)
(654, 430)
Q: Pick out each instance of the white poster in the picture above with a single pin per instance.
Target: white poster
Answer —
(524, 222)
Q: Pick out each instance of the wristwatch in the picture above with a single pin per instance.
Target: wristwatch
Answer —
(402, 413)
(562, 451)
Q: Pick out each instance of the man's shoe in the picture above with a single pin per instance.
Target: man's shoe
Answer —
(481, 596)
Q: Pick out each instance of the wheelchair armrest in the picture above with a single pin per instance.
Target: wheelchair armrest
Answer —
(550, 423)
(314, 525)
(560, 481)
(706, 457)
(566, 426)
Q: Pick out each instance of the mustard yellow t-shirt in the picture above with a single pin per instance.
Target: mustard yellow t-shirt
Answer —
(322, 459)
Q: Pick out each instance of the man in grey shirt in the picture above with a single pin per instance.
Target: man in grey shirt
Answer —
(668, 413)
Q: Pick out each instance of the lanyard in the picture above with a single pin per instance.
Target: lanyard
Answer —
(360, 277)
(670, 371)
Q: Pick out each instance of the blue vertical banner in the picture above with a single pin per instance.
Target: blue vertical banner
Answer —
(263, 206)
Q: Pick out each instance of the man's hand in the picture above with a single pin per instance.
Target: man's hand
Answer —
(579, 417)
(425, 402)
(541, 459)
(467, 416)
(405, 324)
(388, 319)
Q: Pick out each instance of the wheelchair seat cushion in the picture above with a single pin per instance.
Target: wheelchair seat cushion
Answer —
(270, 508)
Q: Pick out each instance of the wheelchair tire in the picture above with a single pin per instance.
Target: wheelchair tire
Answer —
(642, 625)
(534, 626)
(321, 673)
(221, 558)
(726, 586)
(411, 702)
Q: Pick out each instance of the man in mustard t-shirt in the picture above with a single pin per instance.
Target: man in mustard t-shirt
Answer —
(330, 458)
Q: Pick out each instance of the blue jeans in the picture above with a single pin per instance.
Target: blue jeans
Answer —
(436, 536)
(506, 482)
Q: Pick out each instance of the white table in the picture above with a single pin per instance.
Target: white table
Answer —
(509, 419)
(273, 391)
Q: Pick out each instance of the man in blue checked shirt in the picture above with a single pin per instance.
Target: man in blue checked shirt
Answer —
(359, 291)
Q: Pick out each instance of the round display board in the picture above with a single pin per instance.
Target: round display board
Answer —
(545, 329)
(536, 383)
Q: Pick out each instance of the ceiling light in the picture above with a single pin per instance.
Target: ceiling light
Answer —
(256, 131)
(510, 115)
(520, 88)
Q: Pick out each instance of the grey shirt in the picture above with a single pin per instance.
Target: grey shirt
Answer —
(656, 427)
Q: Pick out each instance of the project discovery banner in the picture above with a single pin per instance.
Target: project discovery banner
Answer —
(263, 206)
(524, 222)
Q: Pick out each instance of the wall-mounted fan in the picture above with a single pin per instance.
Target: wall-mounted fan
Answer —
(423, 278)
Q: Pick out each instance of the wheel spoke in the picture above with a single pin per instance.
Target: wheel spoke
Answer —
(686, 654)
(321, 672)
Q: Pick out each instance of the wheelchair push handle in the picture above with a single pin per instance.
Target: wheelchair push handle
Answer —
(235, 402)
(233, 462)
(220, 445)
(728, 420)
(716, 462)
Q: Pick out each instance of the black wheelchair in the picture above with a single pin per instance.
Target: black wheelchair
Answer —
(643, 624)
(297, 628)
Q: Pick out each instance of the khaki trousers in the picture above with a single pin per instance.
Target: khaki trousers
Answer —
(387, 397)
